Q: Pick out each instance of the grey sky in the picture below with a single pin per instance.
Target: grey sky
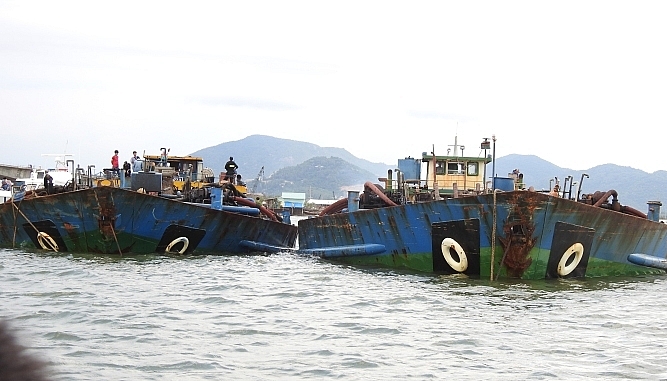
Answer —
(578, 83)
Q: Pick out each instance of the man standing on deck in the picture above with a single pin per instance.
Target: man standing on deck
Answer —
(231, 168)
(48, 182)
(114, 163)
(136, 162)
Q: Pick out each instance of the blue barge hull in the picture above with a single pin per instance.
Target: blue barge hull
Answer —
(109, 220)
(515, 234)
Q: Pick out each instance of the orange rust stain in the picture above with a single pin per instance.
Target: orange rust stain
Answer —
(518, 239)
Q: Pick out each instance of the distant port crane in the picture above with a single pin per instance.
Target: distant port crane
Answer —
(259, 178)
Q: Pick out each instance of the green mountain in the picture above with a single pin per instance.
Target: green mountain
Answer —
(257, 151)
(319, 177)
(634, 186)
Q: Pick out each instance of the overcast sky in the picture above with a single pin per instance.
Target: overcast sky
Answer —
(577, 83)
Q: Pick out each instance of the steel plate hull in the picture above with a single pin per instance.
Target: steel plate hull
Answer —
(531, 233)
(110, 220)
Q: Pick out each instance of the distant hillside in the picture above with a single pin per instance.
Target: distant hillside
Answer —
(634, 186)
(255, 151)
(319, 177)
(292, 166)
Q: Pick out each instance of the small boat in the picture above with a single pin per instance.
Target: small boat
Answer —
(61, 174)
(453, 222)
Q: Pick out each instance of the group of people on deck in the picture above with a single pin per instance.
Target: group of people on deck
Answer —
(135, 166)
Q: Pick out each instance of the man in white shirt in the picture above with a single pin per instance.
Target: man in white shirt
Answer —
(136, 162)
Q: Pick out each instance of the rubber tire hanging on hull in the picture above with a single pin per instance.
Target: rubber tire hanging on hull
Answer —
(174, 234)
(464, 236)
(174, 246)
(47, 242)
(564, 248)
(48, 229)
(451, 248)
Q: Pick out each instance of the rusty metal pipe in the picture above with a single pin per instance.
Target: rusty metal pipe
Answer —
(253, 204)
(632, 211)
(604, 198)
(379, 193)
(335, 207)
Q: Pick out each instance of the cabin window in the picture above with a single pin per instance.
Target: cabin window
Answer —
(473, 169)
(440, 168)
(455, 168)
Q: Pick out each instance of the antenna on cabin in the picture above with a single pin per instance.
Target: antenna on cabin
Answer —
(456, 147)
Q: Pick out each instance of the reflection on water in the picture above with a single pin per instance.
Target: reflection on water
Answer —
(284, 316)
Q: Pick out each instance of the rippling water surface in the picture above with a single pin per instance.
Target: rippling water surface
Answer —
(284, 316)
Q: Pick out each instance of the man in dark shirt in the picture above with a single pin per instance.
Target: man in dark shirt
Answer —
(231, 168)
(48, 182)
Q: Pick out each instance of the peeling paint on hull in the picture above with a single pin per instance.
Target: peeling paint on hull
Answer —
(531, 232)
(108, 220)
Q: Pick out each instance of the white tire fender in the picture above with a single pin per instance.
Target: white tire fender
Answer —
(185, 242)
(577, 249)
(448, 244)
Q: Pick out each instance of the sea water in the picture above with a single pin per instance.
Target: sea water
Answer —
(290, 317)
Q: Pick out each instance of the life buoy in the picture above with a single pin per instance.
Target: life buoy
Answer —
(185, 242)
(462, 264)
(46, 241)
(577, 250)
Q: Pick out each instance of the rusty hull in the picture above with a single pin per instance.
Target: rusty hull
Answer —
(110, 220)
(523, 233)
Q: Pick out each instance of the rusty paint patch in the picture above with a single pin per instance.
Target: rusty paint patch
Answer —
(71, 232)
(106, 226)
(107, 219)
(517, 243)
(518, 239)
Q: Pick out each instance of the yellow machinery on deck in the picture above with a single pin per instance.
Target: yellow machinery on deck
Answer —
(183, 169)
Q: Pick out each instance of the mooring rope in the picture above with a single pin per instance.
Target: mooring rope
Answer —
(26, 218)
(502, 260)
(493, 234)
(15, 228)
(116, 239)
